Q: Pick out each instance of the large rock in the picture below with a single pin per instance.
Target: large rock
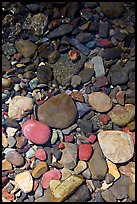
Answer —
(59, 111)
(117, 146)
(97, 164)
(122, 115)
(19, 106)
(112, 9)
(100, 101)
(25, 47)
(69, 155)
(65, 68)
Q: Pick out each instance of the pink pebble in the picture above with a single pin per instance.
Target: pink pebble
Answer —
(53, 174)
(61, 146)
(92, 139)
(84, 151)
(105, 43)
(41, 154)
(36, 131)
(69, 138)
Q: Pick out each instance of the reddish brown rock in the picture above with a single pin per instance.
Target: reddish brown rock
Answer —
(77, 96)
(41, 154)
(73, 55)
(85, 152)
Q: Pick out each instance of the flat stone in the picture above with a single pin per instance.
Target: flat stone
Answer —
(36, 131)
(63, 108)
(101, 82)
(15, 158)
(40, 154)
(30, 153)
(60, 31)
(112, 9)
(69, 129)
(24, 181)
(64, 68)
(117, 146)
(85, 125)
(98, 66)
(69, 155)
(81, 166)
(19, 106)
(39, 170)
(120, 187)
(75, 43)
(47, 197)
(65, 188)
(122, 115)
(77, 96)
(25, 47)
(100, 101)
(108, 196)
(128, 170)
(103, 29)
(6, 165)
(82, 109)
(113, 170)
(97, 164)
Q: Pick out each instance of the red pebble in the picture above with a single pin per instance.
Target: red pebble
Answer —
(104, 119)
(92, 139)
(40, 102)
(85, 152)
(61, 146)
(41, 154)
(69, 138)
(5, 180)
(73, 55)
(2, 129)
(53, 174)
(105, 43)
(36, 131)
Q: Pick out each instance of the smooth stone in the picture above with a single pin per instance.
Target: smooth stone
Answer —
(63, 108)
(85, 50)
(21, 141)
(6, 165)
(122, 115)
(44, 74)
(69, 138)
(103, 29)
(19, 106)
(54, 136)
(60, 31)
(100, 101)
(84, 151)
(117, 146)
(30, 153)
(24, 181)
(109, 178)
(112, 9)
(120, 187)
(75, 81)
(40, 154)
(108, 196)
(85, 125)
(98, 66)
(39, 192)
(80, 195)
(65, 188)
(7, 83)
(131, 191)
(53, 174)
(4, 140)
(33, 83)
(97, 164)
(36, 131)
(29, 75)
(68, 130)
(82, 109)
(25, 47)
(69, 155)
(6, 66)
(128, 170)
(86, 75)
(113, 53)
(11, 131)
(113, 170)
(86, 174)
(64, 68)
(11, 141)
(15, 158)
(49, 155)
(81, 166)
(84, 37)
(91, 44)
(66, 173)
(39, 169)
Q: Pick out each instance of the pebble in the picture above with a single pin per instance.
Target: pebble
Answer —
(113, 170)
(100, 101)
(83, 109)
(98, 66)
(53, 174)
(69, 155)
(56, 152)
(81, 166)
(69, 138)
(36, 131)
(44, 74)
(75, 81)
(74, 42)
(25, 47)
(116, 145)
(11, 141)
(73, 55)
(122, 115)
(60, 31)
(19, 106)
(84, 151)
(120, 187)
(15, 158)
(63, 108)
(39, 169)
(6, 165)
(108, 196)
(85, 125)
(7, 84)
(113, 53)
(39, 192)
(11, 131)
(103, 29)
(86, 75)
(65, 188)
(68, 130)
(30, 153)
(9, 197)
(131, 191)
(4, 140)
(92, 138)
(109, 178)
(97, 164)
(128, 170)
(21, 141)
(20, 180)
(101, 82)
(40, 154)
(91, 44)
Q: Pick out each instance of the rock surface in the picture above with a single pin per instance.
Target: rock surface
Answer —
(58, 112)
(117, 146)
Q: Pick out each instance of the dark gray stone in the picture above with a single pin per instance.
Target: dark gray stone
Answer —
(44, 74)
(85, 125)
(108, 196)
(84, 37)
(113, 53)
(82, 108)
(103, 29)
(79, 46)
(60, 31)
(86, 74)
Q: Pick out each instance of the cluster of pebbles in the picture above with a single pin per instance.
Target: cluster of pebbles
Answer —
(68, 102)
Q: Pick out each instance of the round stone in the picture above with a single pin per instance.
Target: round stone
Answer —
(40, 154)
(15, 158)
(36, 131)
(100, 101)
(117, 146)
(85, 151)
(59, 111)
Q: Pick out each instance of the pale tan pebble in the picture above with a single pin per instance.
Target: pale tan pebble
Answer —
(4, 140)
(11, 131)
(105, 185)
(6, 165)
(112, 169)
(90, 185)
(81, 166)
(66, 173)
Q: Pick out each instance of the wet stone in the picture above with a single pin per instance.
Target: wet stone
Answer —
(15, 158)
(44, 74)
